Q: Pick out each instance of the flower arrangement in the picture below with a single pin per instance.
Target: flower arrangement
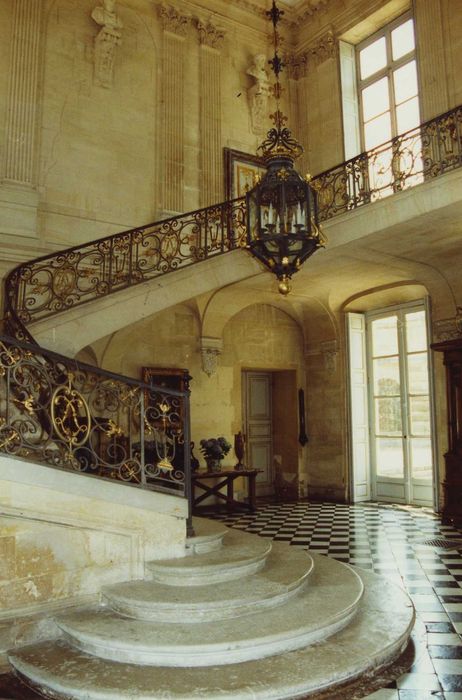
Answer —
(215, 448)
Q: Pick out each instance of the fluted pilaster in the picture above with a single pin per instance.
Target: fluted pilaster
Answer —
(432, 68)
(175, 27)
(210, 38)
(23, 99)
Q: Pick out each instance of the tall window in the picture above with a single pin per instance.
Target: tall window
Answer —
(390, 402)
(387, 83)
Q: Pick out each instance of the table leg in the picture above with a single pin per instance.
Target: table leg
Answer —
(252, 491)
(230, 493)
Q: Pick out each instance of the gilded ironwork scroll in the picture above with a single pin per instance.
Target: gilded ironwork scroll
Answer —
(72, 416)
(51, 284)
(429, 150)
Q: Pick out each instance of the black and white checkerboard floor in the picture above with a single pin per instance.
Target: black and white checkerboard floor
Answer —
(388, 540)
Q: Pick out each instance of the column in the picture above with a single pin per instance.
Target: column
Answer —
(211, 160)
(431, 60)
(175, 27)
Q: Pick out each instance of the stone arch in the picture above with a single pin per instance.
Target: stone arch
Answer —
(228, 301)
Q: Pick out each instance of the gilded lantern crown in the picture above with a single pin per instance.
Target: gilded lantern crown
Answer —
(279, 142)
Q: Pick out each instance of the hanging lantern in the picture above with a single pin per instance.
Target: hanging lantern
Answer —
(282, 210)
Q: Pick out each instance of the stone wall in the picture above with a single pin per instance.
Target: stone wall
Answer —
(64, 535)
(258, 336)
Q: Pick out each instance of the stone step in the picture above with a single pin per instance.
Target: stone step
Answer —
(241, 554)
(317, 612)
(287, 570)
(375, 636)
(208, 536)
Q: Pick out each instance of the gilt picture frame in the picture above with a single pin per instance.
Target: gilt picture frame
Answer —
(241, 171)
(168, 377)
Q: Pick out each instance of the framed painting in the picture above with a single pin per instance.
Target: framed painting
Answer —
(241, 171)
(168, 377)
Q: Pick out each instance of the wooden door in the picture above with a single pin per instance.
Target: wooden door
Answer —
(258, 428)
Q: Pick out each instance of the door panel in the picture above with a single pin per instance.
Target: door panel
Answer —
(257, 405)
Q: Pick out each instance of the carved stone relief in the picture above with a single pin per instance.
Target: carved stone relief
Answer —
(209, 34)
(108, 38)
(259, 93)
(324, 48)
(296, 65)
(448, 328)
(173, 20)
(329, 349)
(211, 349)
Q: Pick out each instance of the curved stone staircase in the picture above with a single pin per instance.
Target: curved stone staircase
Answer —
(239, 617)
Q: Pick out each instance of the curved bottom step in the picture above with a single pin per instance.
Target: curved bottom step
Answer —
(375, 637)
(314, 614)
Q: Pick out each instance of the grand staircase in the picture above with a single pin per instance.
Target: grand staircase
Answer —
(238, 617)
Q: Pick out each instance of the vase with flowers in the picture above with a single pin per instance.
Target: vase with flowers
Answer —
(214, 449)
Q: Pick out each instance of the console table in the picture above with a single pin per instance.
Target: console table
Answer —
(211, 484)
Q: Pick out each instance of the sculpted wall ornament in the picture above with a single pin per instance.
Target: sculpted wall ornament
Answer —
(448, 328)
(173, 21)
(106, 42)
(324, 48)
(209, 34)
(211, 349)
(259, 93)
(296, 65)
(329, 349)
(313, 7)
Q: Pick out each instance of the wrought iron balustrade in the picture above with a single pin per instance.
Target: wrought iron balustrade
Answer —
(53, 283)
(429, 150)
(72, 416)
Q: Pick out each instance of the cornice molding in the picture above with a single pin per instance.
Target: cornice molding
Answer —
(308, 11)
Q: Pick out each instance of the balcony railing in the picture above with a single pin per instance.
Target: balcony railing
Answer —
(429, 150)
(54, 283)
(72, 416)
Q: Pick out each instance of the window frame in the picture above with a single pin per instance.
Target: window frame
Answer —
(387, 71)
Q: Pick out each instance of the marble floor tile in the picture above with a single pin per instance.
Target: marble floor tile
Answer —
(383, 538)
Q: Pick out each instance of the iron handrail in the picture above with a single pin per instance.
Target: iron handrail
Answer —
(60, 281)
(419, 154)
(54, 283)
(73, 416)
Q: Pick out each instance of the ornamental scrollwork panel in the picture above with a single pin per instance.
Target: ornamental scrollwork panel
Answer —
(75, 276)
(67, 415)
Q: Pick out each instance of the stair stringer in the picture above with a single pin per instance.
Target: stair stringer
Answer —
(75, 328)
